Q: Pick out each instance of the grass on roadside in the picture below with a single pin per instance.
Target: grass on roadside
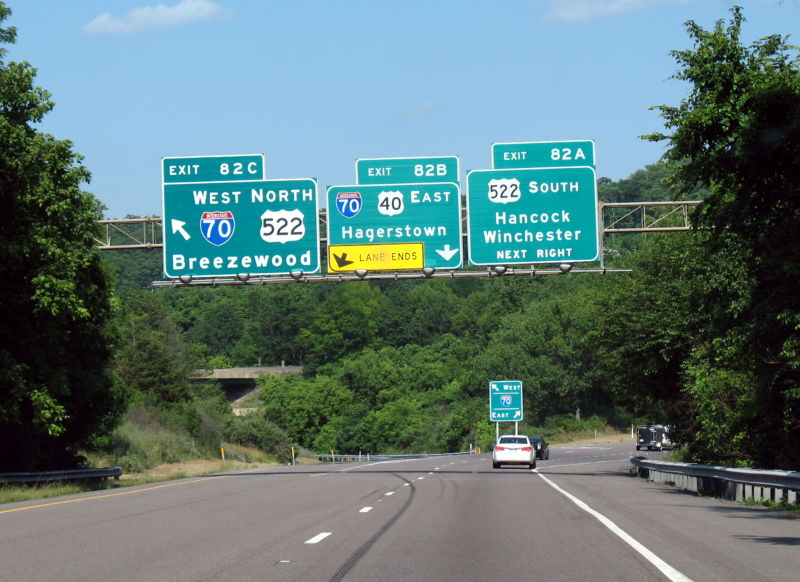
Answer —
(12, 493)
(793, 508)
(164, 472)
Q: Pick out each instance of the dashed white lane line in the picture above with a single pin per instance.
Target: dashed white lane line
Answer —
(671, 573)
(366, 509)
(318, 538)
(388, 493)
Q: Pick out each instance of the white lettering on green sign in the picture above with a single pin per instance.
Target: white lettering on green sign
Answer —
(182, 262)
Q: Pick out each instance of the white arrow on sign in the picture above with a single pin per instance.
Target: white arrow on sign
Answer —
(177, 226)
(517, 414)
(447, 253)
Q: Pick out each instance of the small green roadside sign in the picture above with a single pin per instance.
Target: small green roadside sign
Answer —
(227, 168)
(261, 227)
(505, 400)
(407, 170)
(543, 154)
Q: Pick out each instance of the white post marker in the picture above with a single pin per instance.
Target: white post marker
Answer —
(671, 573)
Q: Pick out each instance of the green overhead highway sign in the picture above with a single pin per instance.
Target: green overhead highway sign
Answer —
(228, 168)
(261, 227)
(407, 170)
(396, 213)
(544, 215)
(543, 154)
(505, 400)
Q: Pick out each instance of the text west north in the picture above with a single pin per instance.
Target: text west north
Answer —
(257, 195)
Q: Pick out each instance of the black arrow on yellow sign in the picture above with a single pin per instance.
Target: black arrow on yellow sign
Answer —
(342, 261)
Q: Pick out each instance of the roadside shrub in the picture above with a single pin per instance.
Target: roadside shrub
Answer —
(136, 446)
(254, 430)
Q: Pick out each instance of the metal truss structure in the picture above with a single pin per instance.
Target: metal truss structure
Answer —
(617, 218)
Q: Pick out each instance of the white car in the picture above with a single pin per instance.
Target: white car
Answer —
(513, 449)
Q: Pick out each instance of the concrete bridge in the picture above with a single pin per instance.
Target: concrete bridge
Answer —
(238, 382)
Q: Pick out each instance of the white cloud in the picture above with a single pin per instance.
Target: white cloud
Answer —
(573, 10)
(155, 16)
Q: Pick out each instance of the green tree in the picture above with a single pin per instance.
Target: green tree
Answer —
(648, 322)
(151, 357)
(275, 316)
(545, 347)
(56, 392)
(342, 324)
(302, 406)
(647, 185)
(738, 134)
(218, 328)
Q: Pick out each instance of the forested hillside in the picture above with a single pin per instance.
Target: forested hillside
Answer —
(405, 365)
(399, 365)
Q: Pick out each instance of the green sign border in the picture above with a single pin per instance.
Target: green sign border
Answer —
(246, 240)
(377, 222)
(209, 174)
(408, 162)
(545, 162)
(478, 211)
(497, 409)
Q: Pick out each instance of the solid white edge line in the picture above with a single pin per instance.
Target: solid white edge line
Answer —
(318, 538)
(668, 571)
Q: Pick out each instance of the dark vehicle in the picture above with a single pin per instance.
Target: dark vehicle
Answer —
(541, 447)
(652, 436)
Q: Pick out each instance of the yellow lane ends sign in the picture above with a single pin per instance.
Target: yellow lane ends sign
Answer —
(376, 257)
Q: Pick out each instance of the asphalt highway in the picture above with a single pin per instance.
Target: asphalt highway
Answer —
(578, 516)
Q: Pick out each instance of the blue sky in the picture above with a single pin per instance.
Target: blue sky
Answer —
(315, 85)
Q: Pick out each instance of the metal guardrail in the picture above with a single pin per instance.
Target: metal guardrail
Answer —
(727, 482)
(67, 475)
(367, 457)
